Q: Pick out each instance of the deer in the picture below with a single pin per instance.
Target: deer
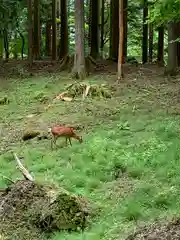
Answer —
(63, 131)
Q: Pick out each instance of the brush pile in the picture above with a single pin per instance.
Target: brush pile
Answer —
(85, 89)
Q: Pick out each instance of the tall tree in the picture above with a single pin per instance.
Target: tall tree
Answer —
(145, 33)
(172, 49)
(48, 38)
(125, 28)
(121, 39)
(36, 30)
(6, 44)
(79, 58)
(151, 36)
(160, 50)
(1, 45)
(30, 34)
(94, 52)
(114, 29)
(178, 42)
(102, 27)
(54, 33)
(64, 43)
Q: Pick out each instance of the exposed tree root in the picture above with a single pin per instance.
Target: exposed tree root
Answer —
(68, 63)
(64, 62)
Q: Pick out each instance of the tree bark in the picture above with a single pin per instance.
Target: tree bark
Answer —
(172, 49)
(145, 34)
(54, 33)
(1, 45)
(160, 51)
(64, 43)
(36, 42)
(102, 27)
(48, 39)
(125, 29)
(6, 44)
(121, 40)
(151, 38)
(30, 34)
(94, 52)
(79, 58)
(178, 42)
(114, 26)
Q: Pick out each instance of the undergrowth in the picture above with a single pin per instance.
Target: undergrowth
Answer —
(128, 164)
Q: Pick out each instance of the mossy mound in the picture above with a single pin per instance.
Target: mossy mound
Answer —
(29, 134)
(158, 231)
(29, 210)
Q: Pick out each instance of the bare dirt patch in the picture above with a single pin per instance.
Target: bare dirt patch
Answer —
(158, 231)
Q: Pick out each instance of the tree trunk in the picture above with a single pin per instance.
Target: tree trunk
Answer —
(102, 27)
(160, 51)
(79, 58)
(94, 52)
(114, 29)
(48, 39)
(151, 37)
(6, 45)
(178, 43)
(172, 49)
(1, 45)
(36, 42)
(121, 40)
(54, 40)
(15, 53)
(89, 24)
(145, 34)
(58, 15)
(30, 34)
(64, 43)
(125, 29)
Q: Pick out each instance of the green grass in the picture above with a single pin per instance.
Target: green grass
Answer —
(142, 145)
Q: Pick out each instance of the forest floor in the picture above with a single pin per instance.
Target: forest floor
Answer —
(128, 164)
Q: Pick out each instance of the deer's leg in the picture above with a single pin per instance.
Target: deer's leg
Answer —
(70, 141)
(54, 141)
(66, 141)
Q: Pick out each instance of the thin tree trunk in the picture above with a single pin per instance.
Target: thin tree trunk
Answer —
(6, 45)
(48, 39)
(125, 22)
(145, 34)
(178, 43)
(1, 45)
(30, 34)
(89, 24)
(15, 46)
(172, 49)
(102, 27)
(36, 42)
(114, 29)
(160, 51)
(94, 29)
(64, 43)
(79, 58)
(121, 40)
(151, 38)
(54, 33)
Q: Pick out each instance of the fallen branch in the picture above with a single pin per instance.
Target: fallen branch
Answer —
(23, 170)
(10, 180)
